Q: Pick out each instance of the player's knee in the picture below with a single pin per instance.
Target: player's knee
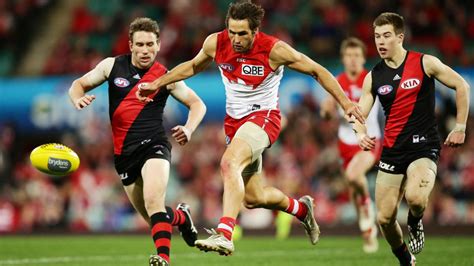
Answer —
(416, 202)
(153, 203)
(253, 201)
(228, 166)
(385, 219)
(355, 180)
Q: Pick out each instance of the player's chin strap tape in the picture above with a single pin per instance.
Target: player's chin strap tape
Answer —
(460, 128)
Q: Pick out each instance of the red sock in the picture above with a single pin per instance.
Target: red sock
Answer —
(364, 200)
(226, 227)
(178, 218)
(297, 209)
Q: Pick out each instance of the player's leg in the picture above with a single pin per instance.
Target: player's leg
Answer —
(389, 189)
(355, 174)
(134, 193)
(236, 156)
(155, 174)
(258, 195)
(421, 175)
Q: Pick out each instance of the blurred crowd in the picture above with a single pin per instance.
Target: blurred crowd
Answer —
(16, 19)
(304, 161)
(100, 28)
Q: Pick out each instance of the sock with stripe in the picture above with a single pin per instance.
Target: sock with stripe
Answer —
(161, 233)
(297, 209)
(226, 227)
(177, 216)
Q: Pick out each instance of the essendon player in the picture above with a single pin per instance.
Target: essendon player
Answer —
(355, 161)
(251, 64)
(142, 151)
(404, 82)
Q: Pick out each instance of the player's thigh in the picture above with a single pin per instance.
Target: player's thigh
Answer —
(255, 137)
(389, 189)
(155, 173)
(421, 176)
(360, 164)
(134, 193)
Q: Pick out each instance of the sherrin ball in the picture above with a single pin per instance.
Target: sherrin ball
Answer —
(54, 159)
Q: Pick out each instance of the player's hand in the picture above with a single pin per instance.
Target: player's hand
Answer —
(146, 89)
(353, 110)
(84, 101)
(456, 136)
(366, 142)
(181, 134)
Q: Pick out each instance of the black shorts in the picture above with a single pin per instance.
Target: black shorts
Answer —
(129, 167)
(397, 162)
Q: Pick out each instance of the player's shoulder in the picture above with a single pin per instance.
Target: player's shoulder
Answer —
(210, 43)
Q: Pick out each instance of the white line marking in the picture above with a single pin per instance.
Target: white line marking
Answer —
(103, 258)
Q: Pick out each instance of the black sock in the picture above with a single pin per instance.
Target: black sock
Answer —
(161, 233)
(412, 220)
(402, 254)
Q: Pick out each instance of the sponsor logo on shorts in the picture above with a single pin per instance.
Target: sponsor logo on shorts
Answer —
(385, 89)
(121, 82)
(58, 165)
(386, 166)
(227, 140)
(418, 139)
(145, 141)
(252, 70)
(123, 176)
(227, 67)
(410, 84)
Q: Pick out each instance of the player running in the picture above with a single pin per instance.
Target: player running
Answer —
(251, 64)
(357, 162)
(404, 82)
(142, 150)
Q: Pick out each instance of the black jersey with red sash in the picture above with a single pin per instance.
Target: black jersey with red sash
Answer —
(407, 96)
(133, 122)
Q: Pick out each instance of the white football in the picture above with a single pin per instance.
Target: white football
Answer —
(54, 159)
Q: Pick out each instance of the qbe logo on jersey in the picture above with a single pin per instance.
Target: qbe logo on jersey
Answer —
(252, 70)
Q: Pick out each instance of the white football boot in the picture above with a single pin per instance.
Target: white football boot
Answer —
(217, 243)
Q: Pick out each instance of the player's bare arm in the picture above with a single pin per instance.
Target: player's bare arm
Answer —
(181, 92)
(184, 70)
(366, 103)
(92, 79)
(435, 68)
(284, 54)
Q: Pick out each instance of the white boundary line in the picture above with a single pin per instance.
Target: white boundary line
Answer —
(105, 258)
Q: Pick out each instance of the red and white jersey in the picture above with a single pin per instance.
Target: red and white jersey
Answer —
(353, 90)
(250, 83)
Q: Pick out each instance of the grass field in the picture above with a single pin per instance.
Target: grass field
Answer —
(134, 250)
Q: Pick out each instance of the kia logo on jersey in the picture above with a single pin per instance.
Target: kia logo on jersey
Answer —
(252, 70)
(121, 82)
(410, 84)
(385, 89)
(227, 67)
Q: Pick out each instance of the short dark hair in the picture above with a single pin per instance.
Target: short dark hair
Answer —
(245, 10)
(144, 24)
(353, 42)
(389, 18)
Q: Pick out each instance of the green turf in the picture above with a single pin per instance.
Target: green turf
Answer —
(259, 251)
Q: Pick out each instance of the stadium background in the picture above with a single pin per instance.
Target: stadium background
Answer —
(45, 44)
